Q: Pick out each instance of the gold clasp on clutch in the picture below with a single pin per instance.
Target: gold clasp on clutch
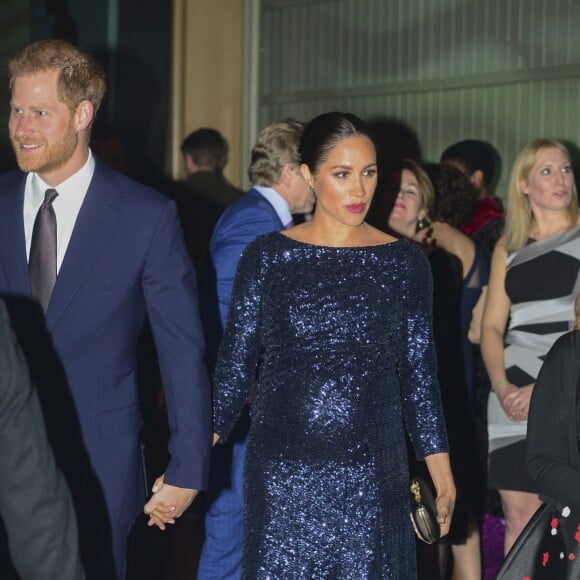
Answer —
(416, 491)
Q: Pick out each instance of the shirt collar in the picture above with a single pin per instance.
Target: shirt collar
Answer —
(71, 186)
(279, 204)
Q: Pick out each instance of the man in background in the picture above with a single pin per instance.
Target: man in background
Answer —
(205, 193)
(278, 191)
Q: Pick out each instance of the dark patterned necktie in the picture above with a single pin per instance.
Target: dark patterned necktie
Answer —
(42, 261)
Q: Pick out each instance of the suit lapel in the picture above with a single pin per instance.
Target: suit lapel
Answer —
(13, 261)
(91, 232)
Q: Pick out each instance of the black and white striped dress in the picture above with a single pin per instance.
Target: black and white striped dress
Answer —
(542, 280)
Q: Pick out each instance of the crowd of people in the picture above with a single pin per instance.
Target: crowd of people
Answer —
(309, 362)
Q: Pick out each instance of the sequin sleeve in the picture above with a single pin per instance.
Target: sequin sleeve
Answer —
(418, 366)
(240, 347)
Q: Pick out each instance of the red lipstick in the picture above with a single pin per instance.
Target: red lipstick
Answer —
(356, 207)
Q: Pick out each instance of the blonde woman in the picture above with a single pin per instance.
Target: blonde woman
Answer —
(534, 279)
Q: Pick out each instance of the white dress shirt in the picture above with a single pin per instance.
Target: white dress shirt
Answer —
(71, 194)
(279, 204)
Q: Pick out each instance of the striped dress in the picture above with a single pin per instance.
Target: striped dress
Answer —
(542, 280)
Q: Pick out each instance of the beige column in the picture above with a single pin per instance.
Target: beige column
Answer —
(206, 77)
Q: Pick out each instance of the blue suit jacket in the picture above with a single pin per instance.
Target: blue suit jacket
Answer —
(241, 223)
(126, 259)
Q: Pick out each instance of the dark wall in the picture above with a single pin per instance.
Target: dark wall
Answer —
(15, 27)
(131, 39)
(142, 84)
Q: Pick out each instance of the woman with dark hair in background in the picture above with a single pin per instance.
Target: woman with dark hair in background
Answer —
(480, 163)
(334, 317)
(452, 257)
(455, 202)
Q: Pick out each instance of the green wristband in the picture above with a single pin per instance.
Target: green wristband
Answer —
(498, 383)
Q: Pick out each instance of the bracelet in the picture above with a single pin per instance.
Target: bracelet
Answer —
(498, 383)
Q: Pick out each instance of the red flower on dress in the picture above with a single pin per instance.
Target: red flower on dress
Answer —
(571, 556)
(577, 534)
(545, 559)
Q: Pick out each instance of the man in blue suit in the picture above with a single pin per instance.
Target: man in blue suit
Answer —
(279, 191)
(98, 253)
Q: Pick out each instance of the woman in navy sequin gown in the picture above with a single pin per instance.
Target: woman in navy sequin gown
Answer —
(331, 320)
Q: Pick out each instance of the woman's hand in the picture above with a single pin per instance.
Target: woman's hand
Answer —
(439, 468)
(445, 503)
(516, 401)
(425, 239)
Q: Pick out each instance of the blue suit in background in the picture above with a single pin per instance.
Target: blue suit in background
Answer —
(126, 260)
(221, 557)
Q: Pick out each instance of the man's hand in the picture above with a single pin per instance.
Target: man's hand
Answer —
(167, 503)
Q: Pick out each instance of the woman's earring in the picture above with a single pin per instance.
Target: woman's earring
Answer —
(422, 223)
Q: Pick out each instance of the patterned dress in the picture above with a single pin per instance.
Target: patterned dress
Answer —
(542, 280)
(339, 342)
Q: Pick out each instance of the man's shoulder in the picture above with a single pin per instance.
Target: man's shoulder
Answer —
(245, 219)
(252, 208)
(131, 191)
(213, 186)
(252, 200)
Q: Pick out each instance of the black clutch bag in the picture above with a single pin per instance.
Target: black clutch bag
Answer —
(424, 511)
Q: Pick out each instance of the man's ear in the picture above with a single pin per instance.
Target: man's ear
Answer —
(477, 179)
(285, 174)
(188, 163)
(84, 115)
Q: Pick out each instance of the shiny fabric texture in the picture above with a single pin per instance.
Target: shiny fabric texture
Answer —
(339, 342)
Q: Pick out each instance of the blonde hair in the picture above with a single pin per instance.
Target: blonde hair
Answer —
(80, 77)
(426, 191)
(519, 216)
(277, 144)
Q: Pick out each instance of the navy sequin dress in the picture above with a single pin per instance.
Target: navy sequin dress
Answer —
(339, 342)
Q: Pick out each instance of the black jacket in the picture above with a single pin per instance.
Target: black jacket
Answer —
(35, 503)
(554, 460)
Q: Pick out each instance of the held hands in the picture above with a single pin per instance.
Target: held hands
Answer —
(515, 401)
(167, 503)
